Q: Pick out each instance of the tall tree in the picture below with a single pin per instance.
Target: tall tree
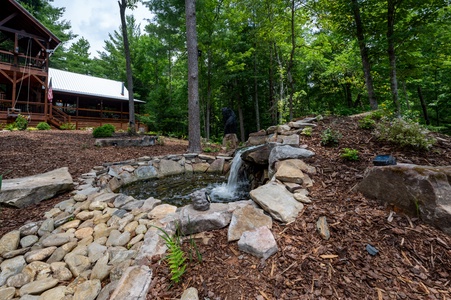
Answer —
(194, 145)
(77, 57)
(364, 54)
(123, 5)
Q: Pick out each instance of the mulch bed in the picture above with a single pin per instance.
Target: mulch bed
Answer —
(414, 259)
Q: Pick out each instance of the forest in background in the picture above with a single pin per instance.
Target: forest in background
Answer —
(275, 60)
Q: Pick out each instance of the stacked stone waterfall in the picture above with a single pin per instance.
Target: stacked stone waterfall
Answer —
(98, 234)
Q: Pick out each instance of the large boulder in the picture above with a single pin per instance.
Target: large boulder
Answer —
(275, 199)
(217, 216)
(422, 191)
(258, 155)
(21, 192)
(283, 152)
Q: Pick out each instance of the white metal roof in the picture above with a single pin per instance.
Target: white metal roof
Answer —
(68, 82)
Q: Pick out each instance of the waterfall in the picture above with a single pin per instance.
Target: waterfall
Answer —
(231, 190)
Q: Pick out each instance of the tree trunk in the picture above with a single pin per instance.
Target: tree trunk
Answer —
(391, 55)
(405, 94)
(194, 145)
(348, 94)
(128, 65)
(272, 101)
(290, 63)
(281, 88)
(364, 55)
(257, 109)
(423, 106)
(208, 113)
(241, 118)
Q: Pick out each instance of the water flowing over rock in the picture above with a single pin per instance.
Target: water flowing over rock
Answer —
(422, 191)
(277, 201)
(21, 192)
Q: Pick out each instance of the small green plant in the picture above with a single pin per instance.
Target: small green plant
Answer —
(207, 150)
(43, 126)
(67, 126)
(160, 140)
(175, 257)
(11, 127)
(367, 122)
(307, 131)
(105, 130)
(32, 129)
(21, 122)
(377, 115)
(350, 154)
(405, 133)
(330, 137)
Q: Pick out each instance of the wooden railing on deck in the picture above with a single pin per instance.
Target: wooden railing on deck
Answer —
(60, 116)
(23, 61)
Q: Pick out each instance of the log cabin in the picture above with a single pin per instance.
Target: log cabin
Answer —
(26, 46)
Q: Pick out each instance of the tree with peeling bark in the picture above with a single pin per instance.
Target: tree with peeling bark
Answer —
(193, 78)
(123, 5)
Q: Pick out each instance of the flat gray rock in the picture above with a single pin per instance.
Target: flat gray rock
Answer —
(38, 286)
(7, 293)
(11, 267)
(259, 242)
(134, 283)
(194, 221)
(170, 167)
(245, 219)
(21, 192)
(277, 201)
(87, 290)
(287, 152)
(10, 241)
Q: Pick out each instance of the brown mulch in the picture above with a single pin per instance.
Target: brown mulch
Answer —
(414, 259)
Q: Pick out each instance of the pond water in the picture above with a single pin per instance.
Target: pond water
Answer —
(175, 190)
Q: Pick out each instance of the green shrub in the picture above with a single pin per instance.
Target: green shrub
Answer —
(330, 137)
(307, 131)
(21, 122)
(67, 126)
(350, 154)
(43, 126)
(405, 133)
(11, 127)
(377, 115)
(367, 122)
(109, 127)
(105, 130)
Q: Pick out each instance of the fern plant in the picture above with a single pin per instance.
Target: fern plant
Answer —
(175, 257)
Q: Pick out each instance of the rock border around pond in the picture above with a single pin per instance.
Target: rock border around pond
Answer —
(98, 234)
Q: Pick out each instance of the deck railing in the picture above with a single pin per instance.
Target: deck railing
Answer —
(23, 60)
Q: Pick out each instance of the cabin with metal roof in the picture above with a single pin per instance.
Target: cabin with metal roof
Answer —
(89, 101)
(25, 49)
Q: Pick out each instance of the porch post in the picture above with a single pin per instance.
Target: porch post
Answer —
(16, 65)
